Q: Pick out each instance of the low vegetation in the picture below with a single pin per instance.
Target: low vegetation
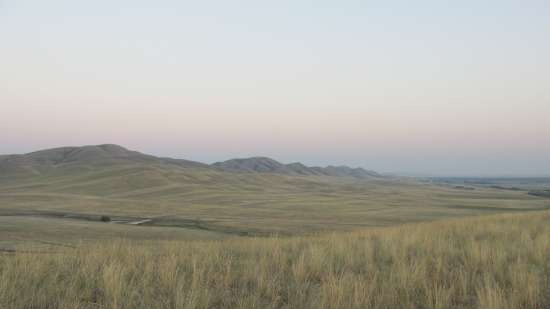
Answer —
(60, 195)
(487, 262)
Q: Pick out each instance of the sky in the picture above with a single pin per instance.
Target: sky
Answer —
(428, 88)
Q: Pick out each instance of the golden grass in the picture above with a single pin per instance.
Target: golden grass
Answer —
(492, 262)
(229, 203)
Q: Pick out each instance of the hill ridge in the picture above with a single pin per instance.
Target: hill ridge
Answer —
(265, 164)
(39, 161)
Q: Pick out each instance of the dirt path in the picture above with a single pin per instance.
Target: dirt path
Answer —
(139, 222)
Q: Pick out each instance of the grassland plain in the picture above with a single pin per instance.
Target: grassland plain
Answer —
(64, 203)
(492, 262)
(170, 240)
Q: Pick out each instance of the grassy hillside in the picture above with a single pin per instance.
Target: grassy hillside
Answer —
(104, 227)
(210, 202)
(495, 262)
(59, 195)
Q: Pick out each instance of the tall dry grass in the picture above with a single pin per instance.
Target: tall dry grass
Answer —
(494, 262)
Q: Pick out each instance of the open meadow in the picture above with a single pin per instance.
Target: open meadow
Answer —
(103, 227)
(147, 198)
(494, 262)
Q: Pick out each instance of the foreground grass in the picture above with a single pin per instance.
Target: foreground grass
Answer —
(490, 262)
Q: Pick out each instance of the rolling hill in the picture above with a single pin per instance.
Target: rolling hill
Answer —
(60, 195)
(45, 161)
(496, 262)
(267, 165)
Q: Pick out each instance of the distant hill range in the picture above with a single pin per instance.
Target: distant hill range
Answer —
(86, 156)
(111, 155)
(267, 165)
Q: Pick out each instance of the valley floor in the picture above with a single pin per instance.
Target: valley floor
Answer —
(187, 204)
(488, 262)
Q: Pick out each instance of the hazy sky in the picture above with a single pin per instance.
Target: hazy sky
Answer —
(422, 87)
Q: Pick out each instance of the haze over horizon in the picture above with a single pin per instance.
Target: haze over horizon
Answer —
(427, 88)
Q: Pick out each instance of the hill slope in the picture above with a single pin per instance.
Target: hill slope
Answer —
(60, 194)
(491, 263)
(85, 157)
(39, 162)
(267, 165)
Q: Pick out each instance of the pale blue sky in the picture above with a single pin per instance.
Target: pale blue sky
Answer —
(421, 87)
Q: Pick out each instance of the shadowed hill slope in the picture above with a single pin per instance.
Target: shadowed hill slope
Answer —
(267, 165)
(255, 164)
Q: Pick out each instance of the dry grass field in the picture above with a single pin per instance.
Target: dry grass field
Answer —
(121, 229)
(493, 262)
(64, 206)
